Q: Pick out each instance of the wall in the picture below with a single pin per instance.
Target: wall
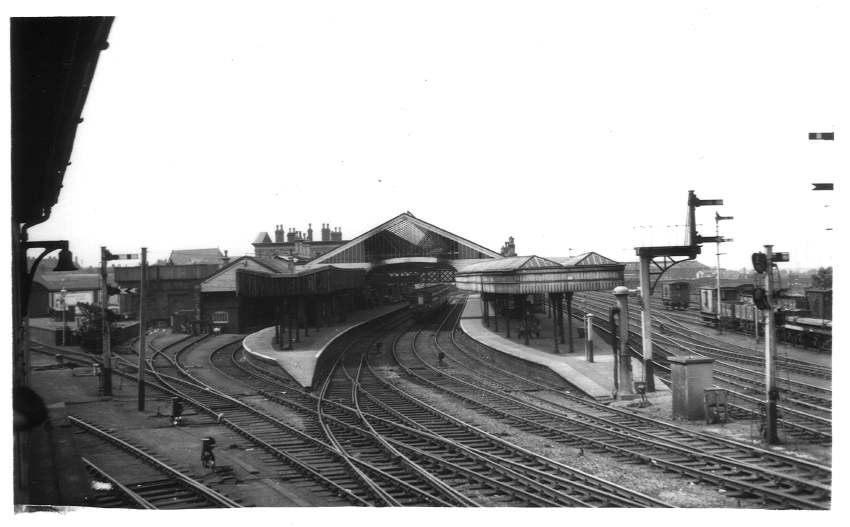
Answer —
(169, 288)
(229, 302)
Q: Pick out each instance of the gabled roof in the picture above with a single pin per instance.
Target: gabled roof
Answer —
(262, 237)
(412, 233)
(224, 279)
(71, 281)
(195, 256)
(511, 263)
(273, 265)
(588, 258)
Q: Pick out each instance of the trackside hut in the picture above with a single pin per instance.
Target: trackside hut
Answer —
(299, 298)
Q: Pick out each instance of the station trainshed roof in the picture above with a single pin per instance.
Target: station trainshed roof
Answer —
(403, 236)
(316, 281)
(521, 275)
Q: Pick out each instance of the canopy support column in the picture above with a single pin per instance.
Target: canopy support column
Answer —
(570, 348)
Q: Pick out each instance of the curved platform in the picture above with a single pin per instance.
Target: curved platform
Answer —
(595, 379)
(300, 362)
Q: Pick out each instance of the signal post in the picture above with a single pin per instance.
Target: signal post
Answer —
(106, 354)
(764, 263)
(142, 329)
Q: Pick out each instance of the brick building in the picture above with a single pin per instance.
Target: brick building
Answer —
(297, 243)
(171, 290)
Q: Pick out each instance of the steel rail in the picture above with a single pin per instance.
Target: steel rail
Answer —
(121, 489)
(788, 423)
(236, 405)
(512, 470)
(356, 465)
(743, 355)
(657, 425)
(761, 490)
(791, 426)
(213, 496)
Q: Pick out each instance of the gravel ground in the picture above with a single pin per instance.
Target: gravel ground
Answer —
(670, 488)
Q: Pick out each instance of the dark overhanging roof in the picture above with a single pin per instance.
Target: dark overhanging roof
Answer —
(52, 65)
(325, 279)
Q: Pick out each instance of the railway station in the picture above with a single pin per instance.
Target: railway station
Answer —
(405, 366)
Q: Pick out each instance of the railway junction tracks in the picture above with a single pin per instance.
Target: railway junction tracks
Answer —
(805, 411)
(751, 472)
(710, 346)
(376, 433)
(165, 487)
(452, 463)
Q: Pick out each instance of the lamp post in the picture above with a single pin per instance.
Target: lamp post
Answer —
(718, 239)
(62, 294)
(25, 274)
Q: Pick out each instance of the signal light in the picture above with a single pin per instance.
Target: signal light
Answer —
(760, 298)
(760, 262)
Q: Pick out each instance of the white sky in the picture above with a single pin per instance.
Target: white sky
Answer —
(570, 127)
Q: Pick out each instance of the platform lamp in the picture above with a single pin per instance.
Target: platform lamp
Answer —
(62, 293)
(65, 263)
(24, 281)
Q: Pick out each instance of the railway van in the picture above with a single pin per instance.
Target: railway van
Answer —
(676, 295)
(708, 304)
(424, 300)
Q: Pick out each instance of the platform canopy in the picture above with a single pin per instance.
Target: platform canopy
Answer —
(523, 275)
(404, 239)
(300, 282)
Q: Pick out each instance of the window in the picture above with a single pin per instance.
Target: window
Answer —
(220, 317)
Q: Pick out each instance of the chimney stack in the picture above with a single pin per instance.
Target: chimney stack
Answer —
(326, 232)
(290, 235)
(278, 233)
(509, 248)
(225, 260)
(309, 232)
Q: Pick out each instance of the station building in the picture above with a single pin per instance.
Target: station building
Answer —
(304, 282)
(220, 306)
(297, 244)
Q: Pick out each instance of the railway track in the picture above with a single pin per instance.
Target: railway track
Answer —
(478, 468)
(711, 346)
(357, 409)
(707, 345)
(784, 488)
(166, 488)
(301, 458)
(806, 408)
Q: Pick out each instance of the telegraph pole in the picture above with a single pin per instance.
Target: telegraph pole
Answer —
(718, 239)
(142, 328)
(106, 358)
